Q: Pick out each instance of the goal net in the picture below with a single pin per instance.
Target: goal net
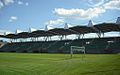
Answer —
(76, 48)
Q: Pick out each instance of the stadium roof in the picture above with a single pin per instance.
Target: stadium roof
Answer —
(104, 27)
(2, 36)
(11, 36)
(61, 31)
(23, 35)
(83, 29)
(40, 33)
(108, 27)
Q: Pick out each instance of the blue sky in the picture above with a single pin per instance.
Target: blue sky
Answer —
(22, 14)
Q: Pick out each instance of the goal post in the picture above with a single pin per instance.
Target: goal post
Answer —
(76, 48)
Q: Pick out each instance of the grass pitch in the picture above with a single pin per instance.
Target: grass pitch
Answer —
(59, 64)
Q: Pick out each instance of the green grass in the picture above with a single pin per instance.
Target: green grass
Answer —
(59, 64)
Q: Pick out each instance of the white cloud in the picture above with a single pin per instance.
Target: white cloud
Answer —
(69, 25)
(5, 3)
(49, 27)
(31, 30)
(1, 4)
(26, 3)
(2, 31)
(20, 2)
(107, 4)
(113, 4)
(95, 3)
(19, 31)
(98, 7)
(78, 13)
(55, 22)
(5, 32)
(23, 3)
(13, 18)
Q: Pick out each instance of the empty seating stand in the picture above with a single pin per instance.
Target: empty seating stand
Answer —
(95, 45)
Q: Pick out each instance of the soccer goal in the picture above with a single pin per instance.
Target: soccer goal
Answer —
(76, 48)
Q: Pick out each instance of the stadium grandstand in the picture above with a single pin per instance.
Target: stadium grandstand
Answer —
(42, 41)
